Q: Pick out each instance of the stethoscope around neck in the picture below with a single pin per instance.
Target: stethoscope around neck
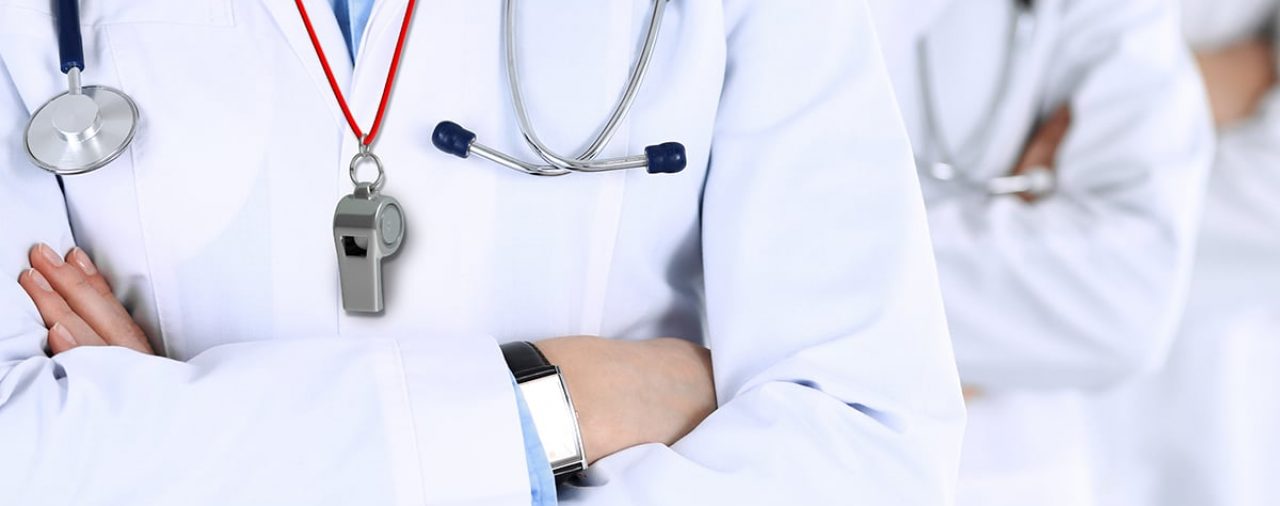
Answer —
(942, 164)
(660, 158)
(86, 127)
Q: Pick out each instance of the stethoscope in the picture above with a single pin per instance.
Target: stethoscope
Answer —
(943, 164)
(660, 158)
(87, 127)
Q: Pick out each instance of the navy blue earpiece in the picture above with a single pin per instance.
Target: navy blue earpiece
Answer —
(666, 158)
(451, 138)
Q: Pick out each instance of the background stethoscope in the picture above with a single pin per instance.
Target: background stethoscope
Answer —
(86, 127)
(943, 164)
(661, 158)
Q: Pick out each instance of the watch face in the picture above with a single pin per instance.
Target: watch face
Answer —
(554, 418)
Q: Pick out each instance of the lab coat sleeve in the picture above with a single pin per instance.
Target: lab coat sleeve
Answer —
(1085, 287)
(328, 420)
(1242, 211)
(831, 356)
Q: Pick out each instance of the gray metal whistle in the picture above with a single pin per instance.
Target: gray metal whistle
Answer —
(367, 227)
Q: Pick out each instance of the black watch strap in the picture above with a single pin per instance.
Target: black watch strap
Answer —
(526, 361)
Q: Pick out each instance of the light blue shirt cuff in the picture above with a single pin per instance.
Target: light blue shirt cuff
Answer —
(542, 482)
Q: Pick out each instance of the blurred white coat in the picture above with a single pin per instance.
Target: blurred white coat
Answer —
(1083, 289)
(1206, 429)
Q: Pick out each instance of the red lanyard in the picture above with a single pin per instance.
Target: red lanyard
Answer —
(365, 141)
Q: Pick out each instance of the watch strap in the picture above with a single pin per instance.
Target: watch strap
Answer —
(526, 361)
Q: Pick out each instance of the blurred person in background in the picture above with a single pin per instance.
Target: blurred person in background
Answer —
(1205, 431)
(1063, 147)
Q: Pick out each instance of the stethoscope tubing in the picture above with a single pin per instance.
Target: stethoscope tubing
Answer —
(661, 158)
(942, 165)
(70, 41)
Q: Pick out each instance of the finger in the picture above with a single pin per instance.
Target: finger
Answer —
(60, 339)
(80, 259)
(102, 312)
(1042, 150)
(56, 313)
(1056, 128)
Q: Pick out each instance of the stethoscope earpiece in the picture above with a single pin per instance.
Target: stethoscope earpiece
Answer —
(666, 158)
(451, 138)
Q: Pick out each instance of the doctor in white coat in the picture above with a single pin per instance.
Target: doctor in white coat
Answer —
(794, 247)
(1051, 295)
(1206, 429)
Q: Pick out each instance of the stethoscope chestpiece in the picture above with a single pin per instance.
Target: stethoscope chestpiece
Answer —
(1036, 181)
(74, 133)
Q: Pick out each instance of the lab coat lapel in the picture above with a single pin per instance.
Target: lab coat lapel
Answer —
(287, 19)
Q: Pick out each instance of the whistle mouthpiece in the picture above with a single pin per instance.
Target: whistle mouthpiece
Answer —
(451, 138)
(666, 158)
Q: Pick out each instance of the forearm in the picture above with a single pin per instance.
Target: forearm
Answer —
(1237, 77)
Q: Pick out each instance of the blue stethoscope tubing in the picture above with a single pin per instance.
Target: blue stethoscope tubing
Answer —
(662, 158)
(86, 127)
(942, 163)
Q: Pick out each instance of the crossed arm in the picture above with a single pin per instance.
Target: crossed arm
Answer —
(1236, 77)
(627, 392)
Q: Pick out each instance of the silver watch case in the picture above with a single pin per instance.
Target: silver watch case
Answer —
(556, 420)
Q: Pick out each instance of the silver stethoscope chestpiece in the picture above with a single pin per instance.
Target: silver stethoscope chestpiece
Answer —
(942, 171)
(1038, 181)
(75, 133)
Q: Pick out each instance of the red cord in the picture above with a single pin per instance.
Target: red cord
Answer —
(333, 82)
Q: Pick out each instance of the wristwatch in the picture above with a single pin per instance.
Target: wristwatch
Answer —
(550, 406)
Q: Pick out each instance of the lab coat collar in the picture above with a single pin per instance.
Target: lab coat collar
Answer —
(287, 20)
(384, 22)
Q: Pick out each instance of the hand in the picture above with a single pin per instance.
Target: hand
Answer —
(76, 303)
(1236, 78)
(629, 393)
(1042, 150)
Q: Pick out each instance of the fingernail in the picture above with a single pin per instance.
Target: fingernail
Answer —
(49, 254)
(81, 259)
(39, 280)
(62, 334)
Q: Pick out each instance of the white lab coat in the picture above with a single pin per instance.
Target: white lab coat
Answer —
(1204, 431)
(1083, 288)
(795, 246)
